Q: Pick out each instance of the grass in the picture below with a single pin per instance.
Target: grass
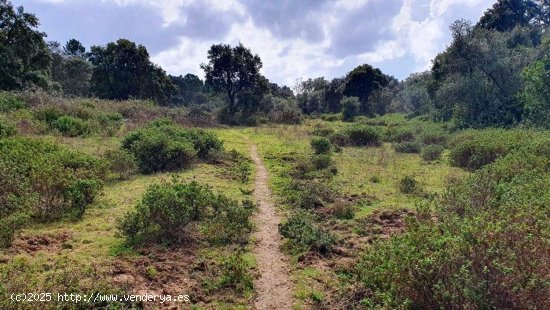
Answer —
(94, 238)
(373, 172)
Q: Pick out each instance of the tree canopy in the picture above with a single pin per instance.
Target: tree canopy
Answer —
(123, 70)
(24, 56)
(232, 70)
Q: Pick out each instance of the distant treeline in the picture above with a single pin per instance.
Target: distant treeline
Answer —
(494, 73)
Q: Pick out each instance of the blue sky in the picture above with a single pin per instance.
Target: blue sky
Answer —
(296, 39)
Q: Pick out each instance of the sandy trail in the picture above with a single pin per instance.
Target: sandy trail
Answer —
(274, 288)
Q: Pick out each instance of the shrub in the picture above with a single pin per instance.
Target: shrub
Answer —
(483, 247)
(322, 131)
(7, 128)
(360, 135)
(408, 185)
(399, 134)
(71, 126)
(321, 145)
(350, 108)
(408, 147)
(10, 102)
(322, 161)
(343, 210)
(431, 152)
(162, 146)
(308, 194)
(475, 149)
(166, 210)
(433, 136)
(302, 231)
(122, 163)
(44, 181)
(331, 117)
(339, 138)
(236, 273)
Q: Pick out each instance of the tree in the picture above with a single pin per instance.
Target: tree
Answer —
(311, 95)
(536, 92)
(122, 70)
(477, 79)
(187, 89)
(73, 47)
(507, 14)
(70, 71)
(350, 108)
(232, 70)
(24, 55)
(334, 93)
(361, 82)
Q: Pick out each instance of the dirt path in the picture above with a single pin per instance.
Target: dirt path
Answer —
(274, 287)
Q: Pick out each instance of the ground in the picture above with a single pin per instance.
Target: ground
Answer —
(366, 178)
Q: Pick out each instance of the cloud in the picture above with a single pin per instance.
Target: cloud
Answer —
(295, 39)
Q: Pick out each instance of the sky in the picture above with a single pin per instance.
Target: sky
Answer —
(296, 39)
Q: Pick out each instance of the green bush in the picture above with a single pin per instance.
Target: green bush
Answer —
(7, 128)
(322, 131)
(339, 138)
(10, 102)
(236, 273)
(162, 146)
(166, 210)
(121, 163)
(350, 108)
(475, 149)
(71, 126)
(302, 231)
(399, 134)
(360, 135)
(408, 147)
(322, 161)
(481, 246)
(431, 152)
(308, 194)
(408, 185)
(321, 145)
(331, 117)
(42, 181)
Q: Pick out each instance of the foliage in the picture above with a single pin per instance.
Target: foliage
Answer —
(7, 128)
(167, 209)
(57, 275)
(350, 108)
(482, 248)
(162, 146)
(236, 273)
(10, 102)
(122, 163)
(321, 145)
(431, 152)
(188, 90)
(536, 93)
(302, 231)
(408, 185)
(233, 70)
(408, 147)
(42, 181)
(70, 69)
(24, 56)
(360, 135)
(361, 82)
(123, 70)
